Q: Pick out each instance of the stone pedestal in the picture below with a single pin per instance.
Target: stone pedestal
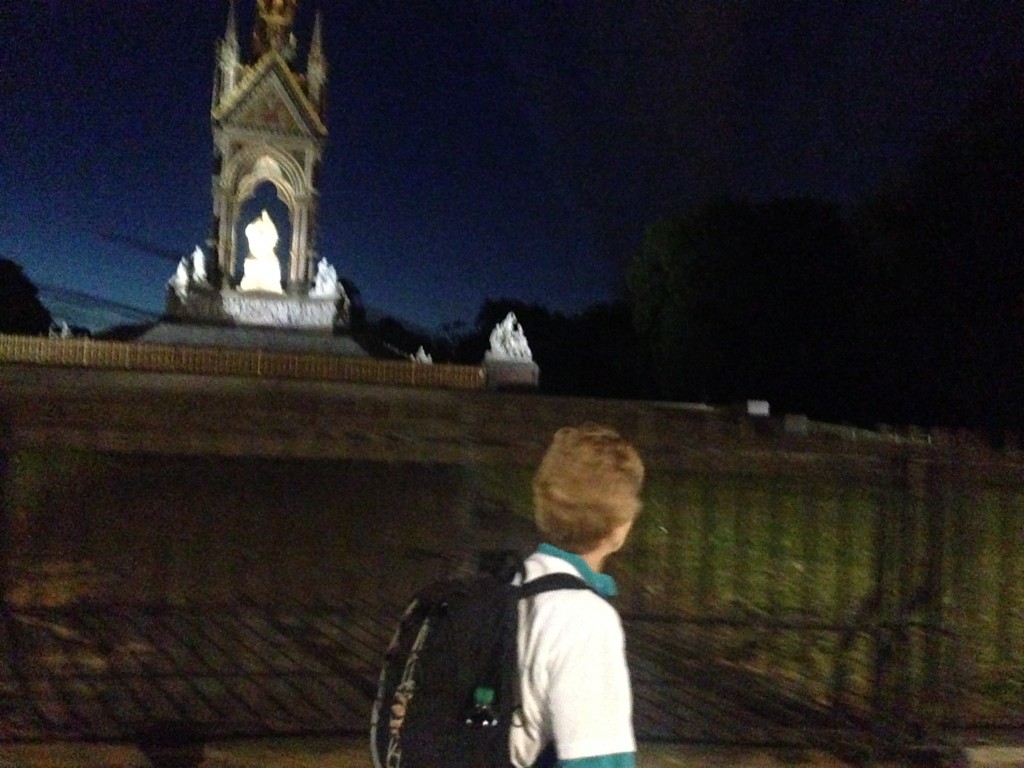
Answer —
(279, 311)
(259, 309)
(511, 374)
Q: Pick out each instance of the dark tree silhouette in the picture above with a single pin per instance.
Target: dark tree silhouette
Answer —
(736, 300)
(388, 337)
(357, 310)
(606, 358)
(21, 312)
(910, 311)
(944, 335)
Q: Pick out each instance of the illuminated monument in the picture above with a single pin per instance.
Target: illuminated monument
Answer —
(251, 285)
(268, 127)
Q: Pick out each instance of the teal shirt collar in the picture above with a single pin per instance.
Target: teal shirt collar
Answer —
(601, 583)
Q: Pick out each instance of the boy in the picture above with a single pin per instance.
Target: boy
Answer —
(577, 703)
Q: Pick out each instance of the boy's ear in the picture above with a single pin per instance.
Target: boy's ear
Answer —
(620, 534)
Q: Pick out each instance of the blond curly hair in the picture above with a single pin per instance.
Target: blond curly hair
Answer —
(588, 484)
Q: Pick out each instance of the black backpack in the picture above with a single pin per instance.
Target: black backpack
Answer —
(449, 685)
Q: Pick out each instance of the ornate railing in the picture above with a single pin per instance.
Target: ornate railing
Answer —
(214, 361)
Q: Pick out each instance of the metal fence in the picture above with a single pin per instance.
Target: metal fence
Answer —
(846, 578)
(886, 589)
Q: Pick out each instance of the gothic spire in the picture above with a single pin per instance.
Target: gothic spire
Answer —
(316, 46)
(229, 59)
(231, 34)
(316, 64)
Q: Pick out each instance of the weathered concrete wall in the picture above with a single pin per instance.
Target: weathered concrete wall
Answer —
(200, 530)
(196, 415)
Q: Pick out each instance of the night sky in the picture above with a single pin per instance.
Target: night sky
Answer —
(478, 149)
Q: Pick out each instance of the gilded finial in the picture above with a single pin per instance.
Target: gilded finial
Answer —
(273, 30)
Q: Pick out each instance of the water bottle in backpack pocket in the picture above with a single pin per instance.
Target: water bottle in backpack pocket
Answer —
(449, 685)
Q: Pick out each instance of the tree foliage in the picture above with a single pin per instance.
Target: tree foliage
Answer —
(909, 311)
(21, 311)
(737, 300)
(944, 250)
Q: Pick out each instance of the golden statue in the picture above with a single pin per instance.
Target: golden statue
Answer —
(273, 27)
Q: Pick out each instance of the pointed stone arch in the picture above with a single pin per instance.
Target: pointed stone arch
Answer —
(248, 166)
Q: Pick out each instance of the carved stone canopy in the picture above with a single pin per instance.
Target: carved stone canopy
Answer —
(267, 118)
(268, 127)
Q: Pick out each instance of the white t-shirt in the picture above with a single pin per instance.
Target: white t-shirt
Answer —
(572, 664)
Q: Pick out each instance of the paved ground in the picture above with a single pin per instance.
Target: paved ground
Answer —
(78, 686)
(322, 753)
(353, 752)
(121, 673)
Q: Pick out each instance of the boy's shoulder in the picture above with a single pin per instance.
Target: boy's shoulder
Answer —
(567, 605)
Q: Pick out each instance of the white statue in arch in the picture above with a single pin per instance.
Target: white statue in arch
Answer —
(508, 342)
(262, 270)
(326, 284)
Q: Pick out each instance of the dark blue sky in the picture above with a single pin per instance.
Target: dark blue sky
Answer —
(478, 149)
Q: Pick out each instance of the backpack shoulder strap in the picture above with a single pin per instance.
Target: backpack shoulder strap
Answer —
(550, 582)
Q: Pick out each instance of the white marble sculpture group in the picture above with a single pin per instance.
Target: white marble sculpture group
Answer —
(508, 342)
(262, 269)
